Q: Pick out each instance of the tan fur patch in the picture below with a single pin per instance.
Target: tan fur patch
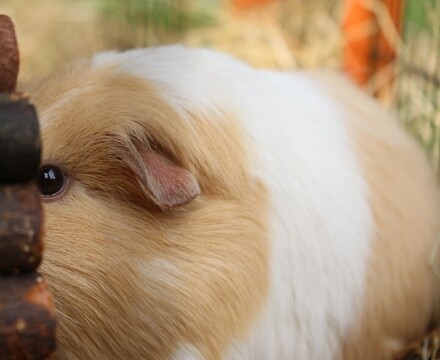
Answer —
(401, 298)
(129, 280)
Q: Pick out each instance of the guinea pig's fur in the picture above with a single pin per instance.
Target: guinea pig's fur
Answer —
(216, 211)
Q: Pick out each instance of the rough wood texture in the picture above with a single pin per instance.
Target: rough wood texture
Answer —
(20, 148)
(9, 58)
(20, 228)
(27, 318)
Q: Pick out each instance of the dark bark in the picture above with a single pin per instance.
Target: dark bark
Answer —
(27, 318)
(20, 148)
(20, 228)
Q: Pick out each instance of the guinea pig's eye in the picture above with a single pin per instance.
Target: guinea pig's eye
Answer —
(51, 180)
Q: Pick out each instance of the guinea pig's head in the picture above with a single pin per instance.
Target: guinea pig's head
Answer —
(155, 228)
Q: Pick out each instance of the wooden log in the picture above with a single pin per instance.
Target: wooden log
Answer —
(20, 228)
(9, 57)
(27, 318)
(20, 148)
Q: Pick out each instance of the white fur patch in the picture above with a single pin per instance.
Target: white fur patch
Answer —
(187, 352)
(321, 221)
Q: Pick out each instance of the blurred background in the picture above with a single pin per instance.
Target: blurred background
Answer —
(267, 33)
(390, 47)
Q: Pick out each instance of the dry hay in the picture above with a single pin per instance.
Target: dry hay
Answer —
(283, 35)
(427, 348)
(418, 86)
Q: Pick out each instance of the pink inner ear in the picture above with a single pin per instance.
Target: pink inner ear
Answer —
(169, 184)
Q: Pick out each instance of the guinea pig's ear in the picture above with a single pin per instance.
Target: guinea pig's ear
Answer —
(167, 184)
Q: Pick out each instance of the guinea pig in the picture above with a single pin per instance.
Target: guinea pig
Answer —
(198, 208)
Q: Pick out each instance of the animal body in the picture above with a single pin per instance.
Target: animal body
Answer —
(198, 208)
